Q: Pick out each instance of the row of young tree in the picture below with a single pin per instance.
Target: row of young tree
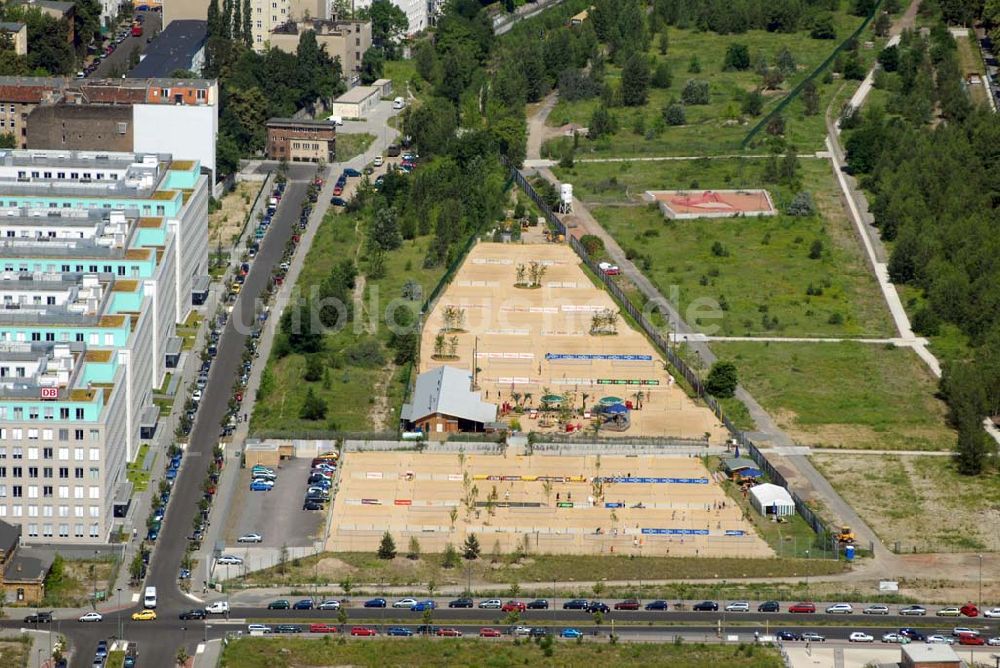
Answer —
(930, 160)
(739, 16)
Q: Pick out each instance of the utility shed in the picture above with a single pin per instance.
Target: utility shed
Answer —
(771, 499)
(921, 655)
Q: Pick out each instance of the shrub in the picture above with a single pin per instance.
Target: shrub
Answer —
(674, 114)
(722, 380)
(695, 92)
(802, 205)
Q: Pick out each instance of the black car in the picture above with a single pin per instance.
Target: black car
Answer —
(538, 604)
(426, 630)
(706, 606)
(460, 603)
(288, 628)
(576, 604)
(658, 605)
(193, 614)
(597, 606)
(769, 606)
(312, 505)
(912, 634)
(787, 635)
(540, 632)
(38, 618)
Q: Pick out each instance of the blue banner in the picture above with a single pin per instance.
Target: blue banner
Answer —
(597, 356)
(654, 481)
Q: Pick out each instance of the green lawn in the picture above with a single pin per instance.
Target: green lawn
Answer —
(844, 395)
(719, 126)
(350, 391)
(350, 145)
(365, 569)
(759, 284)
(136, 475)
(403, 73)
(284, 653)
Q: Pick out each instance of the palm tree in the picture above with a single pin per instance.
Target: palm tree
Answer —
(527, 398)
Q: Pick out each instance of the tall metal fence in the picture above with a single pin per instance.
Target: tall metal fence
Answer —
(662, 344)
(788, 99)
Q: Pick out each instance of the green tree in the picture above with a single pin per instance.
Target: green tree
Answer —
(810, 98)
(602, 123)
(737, 58)
(313, 408)
(664, 42)
(674, 114)
(823, 27)
(635, 80)
(247, 24)
(214, 27)
(372, 65)
(663, 76)
(816, 250)
(695, 92)
(383, 232)
(753, 103)
(450, 557)
(413, 552)
(471, 548)
(432, 125)
(314, 368)
(785, 61)
(387, 547)
(301, 330)
(722, 380)
(389, 24)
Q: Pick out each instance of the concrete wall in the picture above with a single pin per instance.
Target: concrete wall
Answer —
(188, 133)
(81, 128)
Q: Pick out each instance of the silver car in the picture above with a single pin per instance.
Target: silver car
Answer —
(738, 606)
(876, 609)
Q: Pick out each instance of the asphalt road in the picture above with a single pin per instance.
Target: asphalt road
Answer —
(118, 61)
(158, 641)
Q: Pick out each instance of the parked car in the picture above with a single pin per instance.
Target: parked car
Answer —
(513, 606)
(658, 605)
(994, 641)
(914, 610)
(576, 604)
(571, 633)
(787, 635)
(423, 605)
(261, 486)
(949, 612)
(840, 609)
(351, 172)
(288, 628)
(939, 639)
(598, 606)
(304, 604)
(280, 604)
(705, 606)
(538, 604)
(802, 608)
(362, 631)
(491, 604)
(971, 639)
(912, 634)
(627, 604)
(329, 605)
(876, 609)
(250, 538)
(39, 618)
(195, 613)
(487, 632)
(378, 603)
(738, 606)
(991, 612)
(312, 505)
(229, 560)
(860, 636)
(959, 630)
(404, 603)
(399, 631)
(323, 628)
(449, 633)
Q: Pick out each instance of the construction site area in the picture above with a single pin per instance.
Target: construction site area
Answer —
(649, 505)
(549, 349)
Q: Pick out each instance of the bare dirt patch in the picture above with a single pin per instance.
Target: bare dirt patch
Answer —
(227, 222)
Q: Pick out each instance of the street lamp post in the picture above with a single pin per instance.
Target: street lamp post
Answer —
(980, 601)
(119, 606)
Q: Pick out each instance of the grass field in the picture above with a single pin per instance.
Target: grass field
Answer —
(350, 145)
(363, 568)
(14, 651)
(351, 391)
(717, 127)
(758, 284)
(274, 653)
(136, 474)
(844, 395)
(971, 61)
(920, 502)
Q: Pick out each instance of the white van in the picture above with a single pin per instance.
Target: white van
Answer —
(149, 600)
(398, 103)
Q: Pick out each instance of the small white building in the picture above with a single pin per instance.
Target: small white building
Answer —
(356, 103)
(771, 499)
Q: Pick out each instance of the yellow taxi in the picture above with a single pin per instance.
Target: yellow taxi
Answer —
(143, 616)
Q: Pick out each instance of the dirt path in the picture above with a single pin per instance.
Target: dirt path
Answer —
(538, 132)
(381, 410)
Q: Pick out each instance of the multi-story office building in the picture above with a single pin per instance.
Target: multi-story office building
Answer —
(99, 253)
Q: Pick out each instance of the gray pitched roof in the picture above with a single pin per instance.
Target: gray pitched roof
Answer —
(9, 535)
(446, 390)
(173, 49)
(28, 566)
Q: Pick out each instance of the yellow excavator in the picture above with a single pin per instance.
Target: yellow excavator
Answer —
(846, 536)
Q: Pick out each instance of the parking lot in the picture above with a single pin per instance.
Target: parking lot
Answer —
(276, 515)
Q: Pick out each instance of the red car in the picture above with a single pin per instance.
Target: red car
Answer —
(802, 607)
(323, 628)
(627, 604)
(970, 610)
(513, 606)
(489, 633)
(337, 190)
(970, 639)
(449, 633)
(362, 631)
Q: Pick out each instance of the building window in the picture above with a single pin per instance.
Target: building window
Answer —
(95, 454)
(48, 453)
(32, 471)
(64, 531)
(64, 472)
(94, 530)
(78, 473)
(95, 473)
(47, 493)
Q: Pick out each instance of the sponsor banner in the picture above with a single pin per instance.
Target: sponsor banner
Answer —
(371, 502)
(598, 356)
(735, 532)
(675, 532)
(373, 475)
(564, 504)
(454, 477)
(626, 381)
(614, 505)
(403, 502)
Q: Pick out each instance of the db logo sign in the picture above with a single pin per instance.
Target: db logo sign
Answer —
(50, 393)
